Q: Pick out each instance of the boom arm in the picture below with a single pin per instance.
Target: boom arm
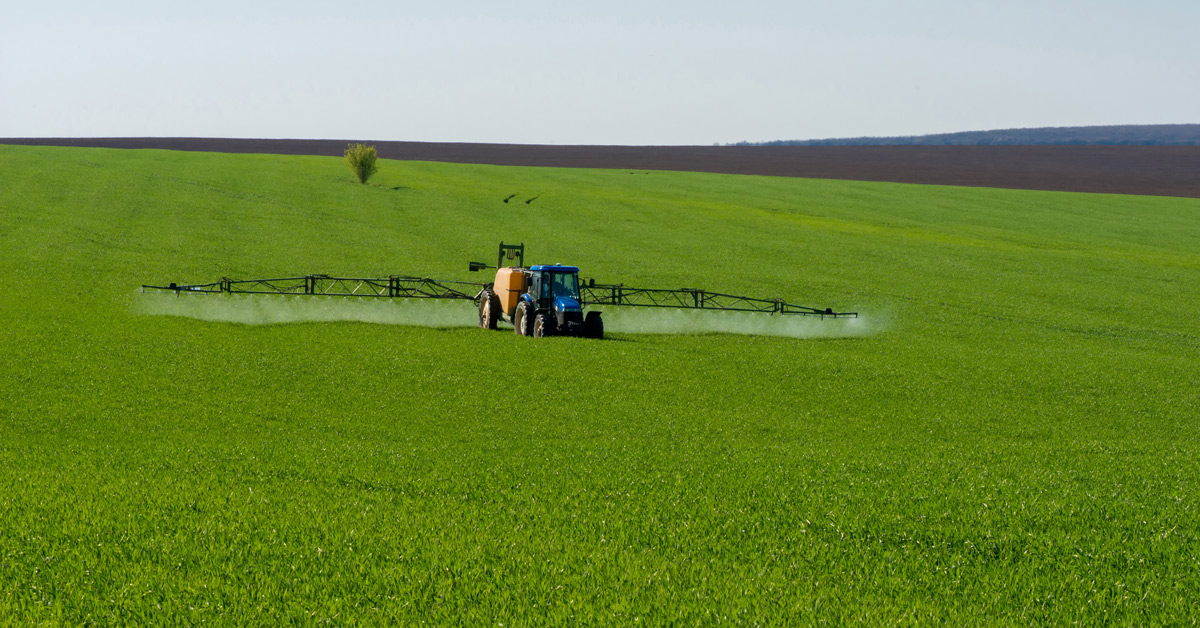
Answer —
(395, 286)
(401, 286)
(691, 298)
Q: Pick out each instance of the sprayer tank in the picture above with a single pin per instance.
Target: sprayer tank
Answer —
(510, 283)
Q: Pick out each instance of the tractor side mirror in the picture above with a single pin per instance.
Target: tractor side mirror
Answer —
(474, 266)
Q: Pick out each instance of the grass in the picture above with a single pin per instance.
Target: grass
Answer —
(1017, 443)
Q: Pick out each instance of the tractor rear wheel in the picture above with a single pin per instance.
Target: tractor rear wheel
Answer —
(489, 309)
(543, 326)
(523, 319)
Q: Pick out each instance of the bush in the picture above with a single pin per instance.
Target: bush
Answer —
(361, 159)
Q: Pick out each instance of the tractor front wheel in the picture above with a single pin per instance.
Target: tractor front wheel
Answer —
(543, 326)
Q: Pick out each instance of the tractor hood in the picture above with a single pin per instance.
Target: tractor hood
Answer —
(566, 304)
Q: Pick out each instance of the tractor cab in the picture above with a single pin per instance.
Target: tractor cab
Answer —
(555, 288)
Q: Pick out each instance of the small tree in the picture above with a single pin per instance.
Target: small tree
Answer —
(361, 159)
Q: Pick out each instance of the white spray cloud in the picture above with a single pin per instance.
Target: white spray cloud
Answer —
(636, 320)
(274, 310)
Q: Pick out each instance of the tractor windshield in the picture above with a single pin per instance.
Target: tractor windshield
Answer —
(565, 285)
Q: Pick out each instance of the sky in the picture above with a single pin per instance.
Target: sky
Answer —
(616, 72)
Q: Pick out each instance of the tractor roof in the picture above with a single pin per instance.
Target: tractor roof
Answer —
(556, 268)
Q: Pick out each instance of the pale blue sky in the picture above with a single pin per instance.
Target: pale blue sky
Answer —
(615, 72)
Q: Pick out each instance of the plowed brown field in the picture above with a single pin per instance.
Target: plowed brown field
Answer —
(1154, 170)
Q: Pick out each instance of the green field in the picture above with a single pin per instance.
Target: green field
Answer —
(1014, 440)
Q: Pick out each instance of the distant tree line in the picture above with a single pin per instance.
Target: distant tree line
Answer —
(1120, 135)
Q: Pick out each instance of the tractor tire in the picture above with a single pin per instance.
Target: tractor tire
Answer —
(489, 309)
(593, 326)
(523, 320)
(543, 326)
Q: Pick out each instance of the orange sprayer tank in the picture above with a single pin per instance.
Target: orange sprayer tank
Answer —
(510, 283)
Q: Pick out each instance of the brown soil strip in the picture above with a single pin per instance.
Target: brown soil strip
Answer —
(1153, 170)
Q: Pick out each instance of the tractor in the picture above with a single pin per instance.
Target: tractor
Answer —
(544, 300)
(541, 300)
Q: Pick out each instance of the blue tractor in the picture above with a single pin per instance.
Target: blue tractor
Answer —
(539, 301)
